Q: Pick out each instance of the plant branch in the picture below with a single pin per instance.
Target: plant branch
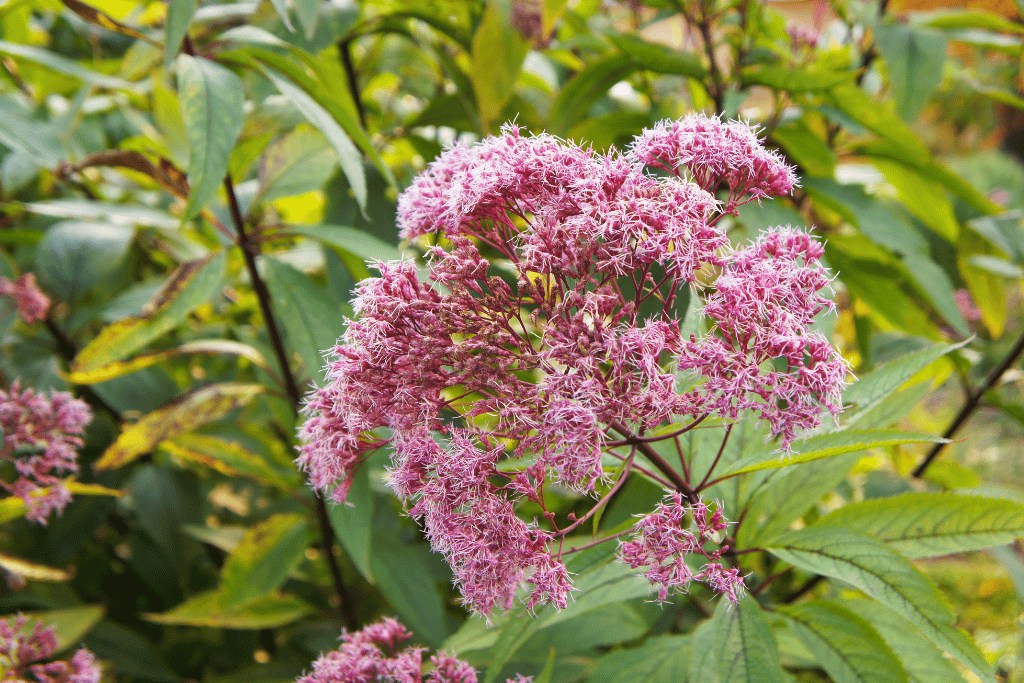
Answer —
(972, 404)
(68, 350)
(677, 480)
(344, 50)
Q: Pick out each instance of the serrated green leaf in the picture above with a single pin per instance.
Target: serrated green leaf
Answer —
(179, 16)
(192, 284)
(845, 645)
(923, 661)
(661, 659)
(745, 647)
(211, 106)
(872, 567)
(261, 561)
(294, 164)
(660, 59)
(348, 155)
(873, 387)
(205, 609)
(914, 58)
(312, 318)
(827, 446)
(183, 415)
(933, 524)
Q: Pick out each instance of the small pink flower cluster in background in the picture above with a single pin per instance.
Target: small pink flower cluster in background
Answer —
(41, 438)
(22, 655)
(524, 340)
(31, 302)
(372, 655)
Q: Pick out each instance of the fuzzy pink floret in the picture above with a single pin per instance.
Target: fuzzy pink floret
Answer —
(41, 438)
(32, 304)
(372, 655)
(25, 651)
(463, 365)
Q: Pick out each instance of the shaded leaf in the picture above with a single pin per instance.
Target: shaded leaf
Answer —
(745, 649)
(185, 414)
(69, 624)
(192, 284)
(211, 106)
(914, 58)
(583, 89)
(661, 659)
(658, 58)
(405, 580)
(74, 256)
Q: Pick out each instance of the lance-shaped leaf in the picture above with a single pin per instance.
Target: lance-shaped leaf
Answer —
(923, 661)
(874, 387)
(933, 524)
(661, 659)
(660, 59)
(827, 446)
(164, 172)
(33, 570)
(261, 561)
(585, 88)
(914, 58)
(348, 155)
(211, 106)
(496, 58)
(883, 574)
(179, 16)
(735, 645)
(211, 347)
(194, 410)
(191, 284)
(205, 609)
(69, 624)
(795, 80)
(311, 317)
(296, 163)
(228, 458)
(863, 109)
(100, 18)
(13, 507)
(65, 66)
(73, 256)
(845, 645)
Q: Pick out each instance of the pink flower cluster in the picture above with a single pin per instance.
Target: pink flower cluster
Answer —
(41, 438)
(32, 304)
(663, 539)
(22, 653)
(523, 339)
(372, 654)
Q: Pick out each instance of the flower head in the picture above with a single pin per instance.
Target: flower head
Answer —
(32, 304)
(23, 653)
(372, 654)
(41, 438)
(545, 326)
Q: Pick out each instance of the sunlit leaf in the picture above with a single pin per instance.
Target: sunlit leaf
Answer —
(205, 609)
(33, 570)
(261, 561)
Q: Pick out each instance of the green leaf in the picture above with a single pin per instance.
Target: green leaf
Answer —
(661, 659)
(311, 317)
(574, 100)
(404, 578)
(179, 16)
(872, 567)
(33, 570)
(933, 524)
(923, 661)
(145, 360)
(133, 215)
(192, 284)
(183, 415)
(660, 59)
(968, 18)
(880, 120)
(128, 653)
(845, 645)
(73, 256)
(205, 609)
(787, 498)
(804, 146)
(703, 666)
(348, 155)
(935, 283)
(745, 649)
(229, 458)
(261, 562)
(70, 624)
(794, 80)
(65, 66)
(914, 58)
(295, 164)
(353, 521)
(308, 11)
(923, 197)
(496, 58)
(358, 243)
(211, 107)
(875, 386)
(827, 446)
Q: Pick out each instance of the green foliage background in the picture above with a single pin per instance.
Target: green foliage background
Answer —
(194, 549)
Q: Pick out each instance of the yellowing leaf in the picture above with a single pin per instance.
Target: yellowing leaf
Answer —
(198, 408)
(33, 570)
(205, 609)
(145, 360)
(261, 561)
(228, 458)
